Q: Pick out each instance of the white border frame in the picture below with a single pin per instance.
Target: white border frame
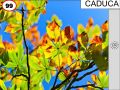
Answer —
(114, 38)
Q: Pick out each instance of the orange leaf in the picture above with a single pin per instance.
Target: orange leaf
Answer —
(96, 40)
(8, 46)
(69, 33)
(33, 35)
(90, 24)
(105, 27)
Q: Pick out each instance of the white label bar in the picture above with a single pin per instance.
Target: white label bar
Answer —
(100, 4)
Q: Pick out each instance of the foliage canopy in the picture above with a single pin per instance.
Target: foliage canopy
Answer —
(58, 53)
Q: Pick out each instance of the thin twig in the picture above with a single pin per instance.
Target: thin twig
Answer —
(80, 78)
(27, 52)
(73, 80)
(92, 85)
(86, 74)
(56, 77)
(71, 74)
(19, 76)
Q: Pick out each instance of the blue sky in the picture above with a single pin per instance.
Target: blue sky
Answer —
(71, 14)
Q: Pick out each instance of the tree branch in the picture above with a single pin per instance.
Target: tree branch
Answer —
(71, 74)
(20, 75)
(80, 78)
(57, 77)
(93, 85)
(86, 74)
(27, 52)
(73, 80)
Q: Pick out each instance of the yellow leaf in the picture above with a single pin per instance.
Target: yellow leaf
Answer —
(102, 73)
(53, 30)
(29, 5)
(2, 85)
(1, 43)
(18, 16)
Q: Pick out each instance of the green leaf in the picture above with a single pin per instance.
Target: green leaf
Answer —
(104, 79)
(13, 57)
(94, 31)
(11, 65)
(44, 61)
(4, 57)
(1, 15)
(34, 63)
(101, 62)
(80, 29)
(20, 51)
(84, 39)
(2, 85)
(85, 64)
(13, 87)
(1, 62)
(61, 76)
(48, 76)
(19, 37)
(37, 77)
(105, 37)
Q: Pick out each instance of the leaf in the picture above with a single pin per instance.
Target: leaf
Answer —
(80, 29)
(105, 27)
(89, 24)
(11, 65)
(69, 33)
(29, 5)
(38, 3)
(13, 57)
(33, 35)
(105, 37)
(34, 63)
(101, 80)
(84, 64)
(2, 85)
(53, 30)
(101, 62)
(83, 39)
(18, 14)
(58, 21)
(95, 31)
(104, 78)
(2, 47)
(37, 77)
(12, 28)
(8, 46)
(61, 76)
(4, 57)
(20, 51)
(48, 76)
(2, 13)
(97, 40)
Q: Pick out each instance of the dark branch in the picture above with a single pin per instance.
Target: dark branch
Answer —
(27, 52)
(71, 74)
(73, 80)
(93, 85)
(80, 78)
(57, 77)
(63, 82)
(86, 74)
(19, 76)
